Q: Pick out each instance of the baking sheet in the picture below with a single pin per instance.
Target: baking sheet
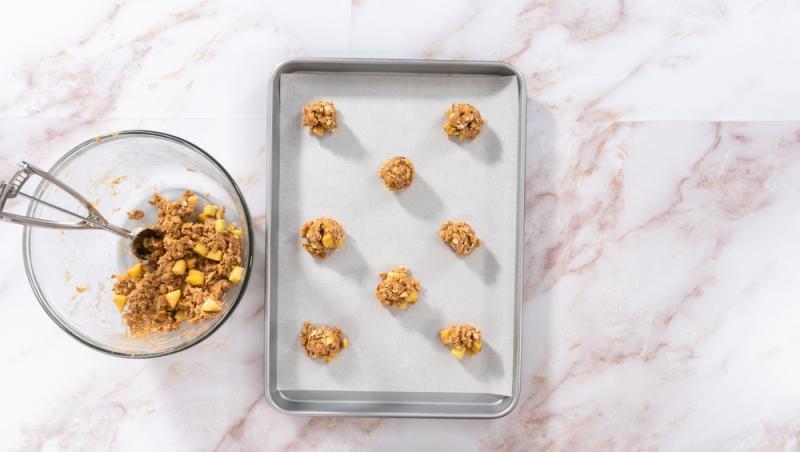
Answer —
(382, 115)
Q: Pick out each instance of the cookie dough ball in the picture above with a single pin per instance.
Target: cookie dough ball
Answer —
(397, 173)
(321, 236)
(320, 116)
(323, 342)
(462, 339)
(463, 121)
(459, 236)
(397, 288)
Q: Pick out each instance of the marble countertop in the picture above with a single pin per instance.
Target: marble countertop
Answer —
(660, 305)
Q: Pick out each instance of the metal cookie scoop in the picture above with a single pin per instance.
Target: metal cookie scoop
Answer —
(92, 220)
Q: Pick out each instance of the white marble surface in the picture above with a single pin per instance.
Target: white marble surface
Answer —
(661, 306)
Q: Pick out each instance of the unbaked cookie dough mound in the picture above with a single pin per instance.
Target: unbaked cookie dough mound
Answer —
(460, 237)
(322, 342)
(321, 236)
(397, 173)
(463, 121)
(397, 288)
(462, 339)
(192, 264)
(319, 116)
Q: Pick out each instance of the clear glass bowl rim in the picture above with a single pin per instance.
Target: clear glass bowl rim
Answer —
(77, 150)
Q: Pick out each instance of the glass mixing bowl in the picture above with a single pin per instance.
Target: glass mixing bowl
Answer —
(70, 270)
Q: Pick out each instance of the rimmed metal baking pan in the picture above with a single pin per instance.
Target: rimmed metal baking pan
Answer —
(377, 401)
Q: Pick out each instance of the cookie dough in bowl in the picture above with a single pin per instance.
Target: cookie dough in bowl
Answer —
(118, 173)
(194, 261)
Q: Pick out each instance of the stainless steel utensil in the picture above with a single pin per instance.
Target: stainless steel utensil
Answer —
(92, 220)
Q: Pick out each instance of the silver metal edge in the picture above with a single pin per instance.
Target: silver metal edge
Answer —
(521, 171)
(268, 248)
(519, 277)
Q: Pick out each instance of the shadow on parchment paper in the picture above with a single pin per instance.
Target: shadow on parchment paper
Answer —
(488, 364)
(485, 147)
(348, 261)
(340, 369)
(343, 141)
(483, 263)
(420, 200)
(421, 318)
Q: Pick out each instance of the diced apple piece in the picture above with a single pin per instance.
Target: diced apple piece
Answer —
(444, 335)
(345, 343)
(179, 267)
(214, 255)
(340, 243)
(219, 225)
(200, 249)
(209, 210)
(211, 305)
(237, 233)
(196, 277)
(477, 347)
(136, 271)
(120, 301)
(327, 241)
(173, 297)
(413, 296)
(236, 274)
(192, 200)
(180, 316)
(220, 213)
(458, 352)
